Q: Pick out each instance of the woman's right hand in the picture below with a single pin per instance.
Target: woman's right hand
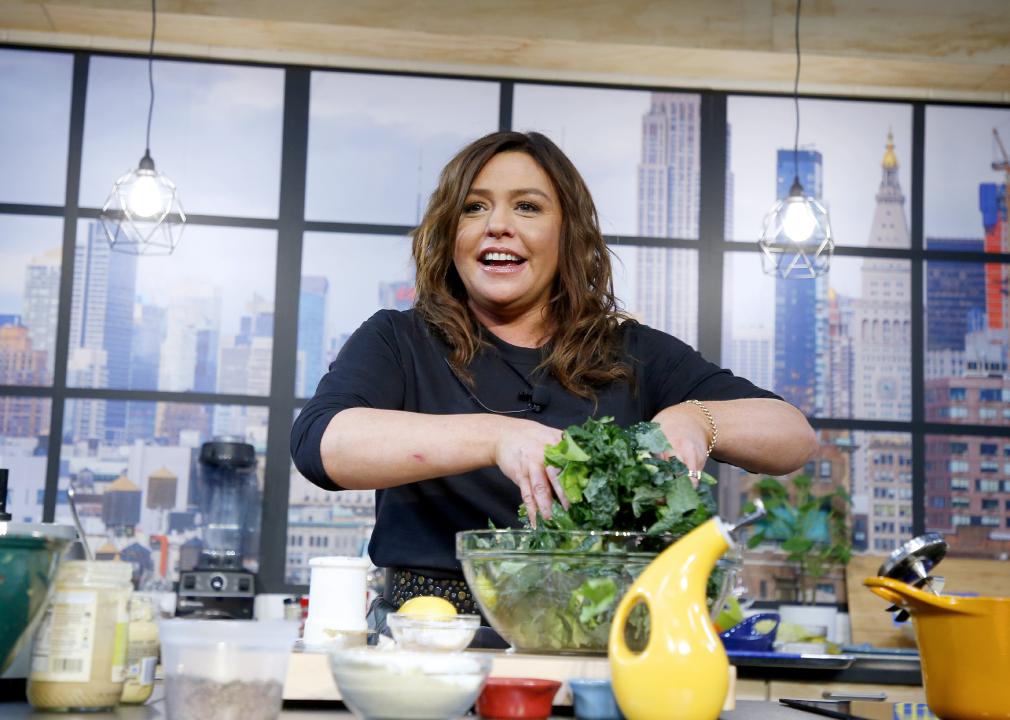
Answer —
(519, 454)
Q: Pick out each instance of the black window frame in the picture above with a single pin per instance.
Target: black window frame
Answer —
(290, 225)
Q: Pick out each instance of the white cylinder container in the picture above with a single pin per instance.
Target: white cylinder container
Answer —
(337, 589)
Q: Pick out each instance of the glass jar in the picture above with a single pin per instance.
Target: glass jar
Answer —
(78, 661)
(141, 651)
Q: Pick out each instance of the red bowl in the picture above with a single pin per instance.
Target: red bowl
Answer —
(508, 698)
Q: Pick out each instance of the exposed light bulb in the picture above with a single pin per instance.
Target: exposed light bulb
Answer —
(145, 199)
(799, 222)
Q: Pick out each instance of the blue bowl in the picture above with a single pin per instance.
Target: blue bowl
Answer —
(745, 636)
(594, 700)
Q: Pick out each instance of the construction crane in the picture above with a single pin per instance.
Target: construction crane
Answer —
(1002, 164)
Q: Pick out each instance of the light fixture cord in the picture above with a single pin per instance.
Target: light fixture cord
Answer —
(150, 78)
(796, 100)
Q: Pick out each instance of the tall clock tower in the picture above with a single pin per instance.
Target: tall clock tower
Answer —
(882, 327)
(882, 383)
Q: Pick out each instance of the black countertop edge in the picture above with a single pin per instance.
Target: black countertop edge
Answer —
(855, 674)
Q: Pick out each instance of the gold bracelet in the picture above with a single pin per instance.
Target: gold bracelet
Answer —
(711, 423)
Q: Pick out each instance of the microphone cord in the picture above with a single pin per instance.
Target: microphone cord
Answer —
(528, 396)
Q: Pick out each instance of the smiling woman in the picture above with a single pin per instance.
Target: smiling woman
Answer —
(515, 335)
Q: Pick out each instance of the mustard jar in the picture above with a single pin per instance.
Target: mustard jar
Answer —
(78, 661)
(141, 651)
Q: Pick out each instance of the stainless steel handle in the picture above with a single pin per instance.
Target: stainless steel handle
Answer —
(871, 696)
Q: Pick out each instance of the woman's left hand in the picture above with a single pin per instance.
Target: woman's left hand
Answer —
(687, 429)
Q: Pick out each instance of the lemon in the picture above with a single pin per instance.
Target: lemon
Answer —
(485, 590)
(427, 605)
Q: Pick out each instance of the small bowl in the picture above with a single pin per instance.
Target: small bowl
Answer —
(517, 698)
(408, 685)
(746, 636)
(433, 632)
(594, 700)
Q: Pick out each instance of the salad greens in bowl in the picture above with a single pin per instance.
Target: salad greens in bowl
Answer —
(555, 588)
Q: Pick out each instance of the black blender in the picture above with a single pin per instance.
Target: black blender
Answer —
(219, 586)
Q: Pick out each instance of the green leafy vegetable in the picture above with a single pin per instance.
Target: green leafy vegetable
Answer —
(615, 479)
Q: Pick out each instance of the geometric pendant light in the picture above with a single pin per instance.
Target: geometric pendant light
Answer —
(796, 240)
(143, 214)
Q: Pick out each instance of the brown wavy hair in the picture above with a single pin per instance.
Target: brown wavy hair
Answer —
(585, 347)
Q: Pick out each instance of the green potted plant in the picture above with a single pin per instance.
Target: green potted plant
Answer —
(813, 530)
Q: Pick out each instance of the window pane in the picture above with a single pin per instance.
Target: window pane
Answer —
(968, 493)
(142, 485)
(198, 320)
(345, 279)
(216, 132)
(323, 522)
(377, 143)
(966, 343)
(845, 161)
(874, 468)
(639, 152)
(24, 441)
(35, 90)
(965, 179)
(30, 261)
(659, 287)
(838, 346)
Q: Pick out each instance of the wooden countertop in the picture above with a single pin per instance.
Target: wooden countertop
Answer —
(155, 710)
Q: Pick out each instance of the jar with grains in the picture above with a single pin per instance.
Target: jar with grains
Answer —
(141, 651)
(79, 657)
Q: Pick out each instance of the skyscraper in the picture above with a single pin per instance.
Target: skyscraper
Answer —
(244, 368)
(148, 335)
(668, 202)
(797, 299)
(42, 301)
(992, 202)
(189, 354)
(101, 319)
(881, 338)
(312, 330)
(955, 292)
(21, 364)
(882, 322)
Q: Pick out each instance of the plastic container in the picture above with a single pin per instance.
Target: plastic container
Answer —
(337, 592)
(433, 632)
(404, 685)
(225, 669)
(141, 651)
(517, 698)
(79, 658)
(594, 699)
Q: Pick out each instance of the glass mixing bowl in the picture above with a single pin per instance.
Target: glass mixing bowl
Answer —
(556, 591)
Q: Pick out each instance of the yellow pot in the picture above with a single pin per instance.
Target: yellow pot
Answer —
(964, 645)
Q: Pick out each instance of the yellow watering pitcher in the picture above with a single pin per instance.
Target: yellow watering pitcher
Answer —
(683, 672)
